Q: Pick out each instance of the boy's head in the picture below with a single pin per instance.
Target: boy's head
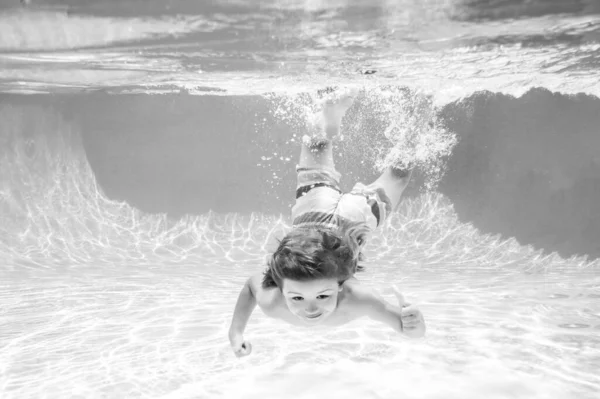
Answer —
(309, 267)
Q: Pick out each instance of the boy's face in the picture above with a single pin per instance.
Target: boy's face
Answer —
(311, 301)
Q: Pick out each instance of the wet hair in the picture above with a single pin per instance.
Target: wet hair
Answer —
(307, 254)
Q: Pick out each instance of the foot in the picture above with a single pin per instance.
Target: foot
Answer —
(402, 172)
(334, 110)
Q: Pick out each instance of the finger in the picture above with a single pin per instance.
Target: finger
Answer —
(410, 323)
(410, 311)
(408, 317)
(399, 296)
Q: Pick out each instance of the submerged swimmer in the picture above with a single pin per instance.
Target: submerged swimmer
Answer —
(310, 279)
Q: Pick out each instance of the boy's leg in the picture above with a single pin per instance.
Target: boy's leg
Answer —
(317, 188)
(317, 150)
(316, 166)
(316, 153)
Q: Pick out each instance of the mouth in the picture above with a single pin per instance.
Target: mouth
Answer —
(314, 316)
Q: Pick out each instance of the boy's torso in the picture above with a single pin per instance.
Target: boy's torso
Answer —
(272, 303)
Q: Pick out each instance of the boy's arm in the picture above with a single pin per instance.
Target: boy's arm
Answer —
(405, 319)
(244, 307)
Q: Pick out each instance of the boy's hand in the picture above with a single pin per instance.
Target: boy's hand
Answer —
(240, 347)
(413, 323)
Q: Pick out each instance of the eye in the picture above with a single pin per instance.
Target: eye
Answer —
(323, 296)
(297, 298)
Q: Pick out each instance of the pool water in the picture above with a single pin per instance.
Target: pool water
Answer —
(147, 154)
(503, 322)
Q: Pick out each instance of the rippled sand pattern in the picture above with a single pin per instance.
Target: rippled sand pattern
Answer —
(503, 320)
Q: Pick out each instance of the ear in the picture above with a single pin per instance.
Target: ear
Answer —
(330, 241)
(344, 253)
(268, 279)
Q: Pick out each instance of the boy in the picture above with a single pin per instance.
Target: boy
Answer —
(310, 277)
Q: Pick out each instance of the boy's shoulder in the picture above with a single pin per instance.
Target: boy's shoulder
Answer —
(266, 298)
(255, 282)
(360, 297)
(355, 290)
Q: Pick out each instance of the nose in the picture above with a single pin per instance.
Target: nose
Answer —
(312, 309)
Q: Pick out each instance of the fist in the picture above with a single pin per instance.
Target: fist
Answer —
(240, 347)
(413, 323)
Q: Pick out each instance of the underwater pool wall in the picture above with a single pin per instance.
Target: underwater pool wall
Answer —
(524, 167)
(528, 168)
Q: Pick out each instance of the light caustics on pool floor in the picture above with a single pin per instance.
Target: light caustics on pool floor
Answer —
(151, 319)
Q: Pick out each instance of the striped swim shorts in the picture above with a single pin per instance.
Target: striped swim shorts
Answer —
(321, 203)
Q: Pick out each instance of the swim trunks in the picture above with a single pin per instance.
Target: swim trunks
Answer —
(321, 203)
